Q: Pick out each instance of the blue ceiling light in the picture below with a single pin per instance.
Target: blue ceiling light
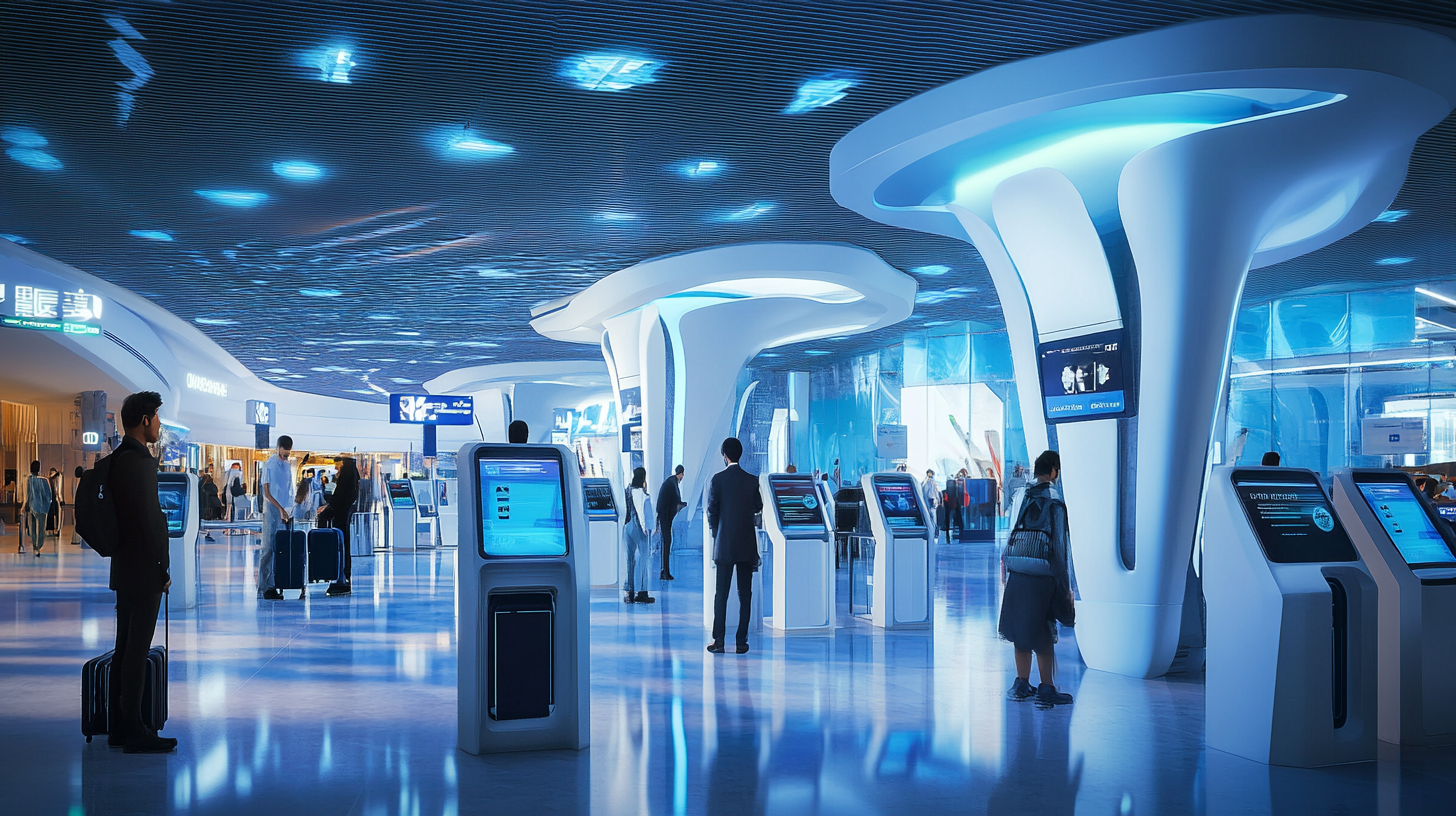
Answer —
(610, 72)
(1396, 261)
(23, 137)
(932, 298)
(333, 64)
(215, 321)
(748, 213)
(320, 293)
(817, 352)
(234, 198)
(14, 239)
(459, 144)
(933, 270)
(1391, 216)
(150, 235)
(495, 274)
(35, 159)
(699, 169)
(820, 92)
(616, 216)
(298, 170)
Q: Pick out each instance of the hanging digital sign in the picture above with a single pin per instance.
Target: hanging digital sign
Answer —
(430, 409)
(1085, 378)
(41, 309)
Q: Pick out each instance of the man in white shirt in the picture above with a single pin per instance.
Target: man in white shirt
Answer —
(276, 491)
(236, 505)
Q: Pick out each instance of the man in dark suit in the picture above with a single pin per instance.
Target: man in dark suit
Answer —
(733, 501)
(139, 572)
(669, 501)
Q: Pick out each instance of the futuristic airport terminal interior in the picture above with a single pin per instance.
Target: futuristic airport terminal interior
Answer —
(665, 408)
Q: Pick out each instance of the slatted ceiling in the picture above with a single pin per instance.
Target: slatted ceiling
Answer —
(227, 100)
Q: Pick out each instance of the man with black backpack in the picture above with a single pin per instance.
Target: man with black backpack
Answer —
(1038, 591)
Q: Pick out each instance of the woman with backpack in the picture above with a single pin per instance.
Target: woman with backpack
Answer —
(1038, 591)
(637, 536)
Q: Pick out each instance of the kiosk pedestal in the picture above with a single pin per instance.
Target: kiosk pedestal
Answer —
(179, 496)
(802, 548)
(710, 588)
(401, 514)
(900, 597)
(524, 673)
(604, 532)
(1291, 623)
(1412, 557)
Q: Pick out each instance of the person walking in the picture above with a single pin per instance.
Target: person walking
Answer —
(276, 491)
(53, 513)
(338, 514)
(139, 572)
(637, 536)
(733, 501)
(35, 508)
(234, 491)
(930, 492)
(1038, 590)
(669, 502)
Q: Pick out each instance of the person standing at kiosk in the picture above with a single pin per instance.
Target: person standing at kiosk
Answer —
(669, 502)
(1038, 591)
(733, 501)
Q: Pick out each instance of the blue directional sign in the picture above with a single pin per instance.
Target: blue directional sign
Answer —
(430, 409)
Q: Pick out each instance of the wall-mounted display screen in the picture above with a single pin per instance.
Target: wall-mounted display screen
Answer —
(1292, 517)
(797, 502)
(173, 496)
(1085, 377)
(401, 497)
(1406, 521)
(900, 502)
(522, 507)
(599, 499)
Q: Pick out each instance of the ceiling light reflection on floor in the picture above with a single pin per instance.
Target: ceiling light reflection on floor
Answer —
(610, 72)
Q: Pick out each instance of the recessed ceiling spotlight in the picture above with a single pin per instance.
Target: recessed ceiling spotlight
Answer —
(320, 293)
(616, 215)
(495, 273)
(150, 235)
(463, 144)
(610, 72)
(1391, 216)
(234, 198)
(298, 170)
(1395, 261)
(334, 63)
(214, 321)
(699, 169)
(820, 92)
(749, 212)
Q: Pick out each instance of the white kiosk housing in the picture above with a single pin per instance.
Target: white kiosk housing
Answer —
(803, 553)
(1412, 556)
(604, 531)
(903, 567)
(179, 496)
(1291, 623)
(447, 509)
(401, 514)
(427, 514)
(524, 669)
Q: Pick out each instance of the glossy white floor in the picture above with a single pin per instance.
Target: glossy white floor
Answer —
(347, 706)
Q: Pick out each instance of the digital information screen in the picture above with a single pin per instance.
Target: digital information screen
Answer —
(401, 496)
(431, 409)
(1292, 518)
(797, 503)
(599, 500)
(522, 509)
(900, 501)
(1447, 511)
(1083, 378)
(1406, 522)
(173, 496)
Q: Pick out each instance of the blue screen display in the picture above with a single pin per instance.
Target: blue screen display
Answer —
(1405, 521)
(173, 496)
(522, 507)
(1082, 378)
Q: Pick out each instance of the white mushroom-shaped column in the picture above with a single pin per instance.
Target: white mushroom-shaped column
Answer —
(525, 391)
(1128, 187)
(676, 331)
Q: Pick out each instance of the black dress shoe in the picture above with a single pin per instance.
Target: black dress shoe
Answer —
(715, 647)
(664, 576)
(338, 588)
(150, 744)
(643, 597)
(272, 594)
(743, 648)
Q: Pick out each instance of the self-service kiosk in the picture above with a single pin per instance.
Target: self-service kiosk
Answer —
(401, 514)
(802, 546)
(427, 514)
(903, 564)
(1412, 556)
(1291, 623)
(447, 507)
(180, 499)
(604, 531)
(524, 675)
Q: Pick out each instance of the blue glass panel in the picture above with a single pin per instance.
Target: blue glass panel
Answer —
(948, 358)
(914, 360)
(1382, 320)
(1251, 335)
(1311, 325)
(991, 357)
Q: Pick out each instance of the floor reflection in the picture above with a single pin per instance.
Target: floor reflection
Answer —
(347, 705)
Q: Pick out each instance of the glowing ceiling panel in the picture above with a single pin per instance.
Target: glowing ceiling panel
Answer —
(234, 198)
(610, 72)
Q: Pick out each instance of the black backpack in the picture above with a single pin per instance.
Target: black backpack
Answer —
(95, 511)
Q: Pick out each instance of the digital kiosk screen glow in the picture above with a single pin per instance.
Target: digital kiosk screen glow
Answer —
(1406, 522)
(1083, 377)
(900, 502)
(401, 497)
(522, 507)
(797, 503)
(1292, 518)
(173, 496)
(599, 500)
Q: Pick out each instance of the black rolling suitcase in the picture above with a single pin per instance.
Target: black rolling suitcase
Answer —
(96, 689)
(325, 554)
(290, 555)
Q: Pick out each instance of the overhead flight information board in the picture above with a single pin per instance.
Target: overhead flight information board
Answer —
(1291, 517)
(1406, 522)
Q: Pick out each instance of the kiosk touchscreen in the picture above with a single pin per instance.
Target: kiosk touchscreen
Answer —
(401, 514)
(1291, 623)
(524, 675)
(903, 566)
(802, 545)
(180, 499)
(1411, 553)
(604, 531)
